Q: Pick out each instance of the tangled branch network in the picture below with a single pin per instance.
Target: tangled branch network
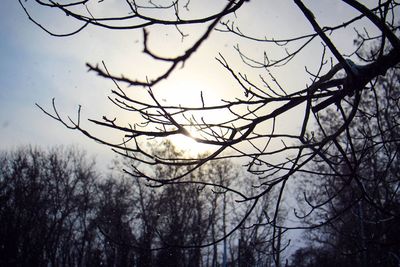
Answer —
(252, 129)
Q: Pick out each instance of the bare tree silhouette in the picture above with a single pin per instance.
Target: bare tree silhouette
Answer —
(354, 189)
(252, 129)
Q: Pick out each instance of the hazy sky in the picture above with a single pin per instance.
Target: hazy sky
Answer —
(36, 67)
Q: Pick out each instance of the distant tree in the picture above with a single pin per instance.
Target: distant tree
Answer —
(45, 210)
(177, 219)
(258, 242)
(255, 121)
(314, 257)
(172, 223)
(113, 216)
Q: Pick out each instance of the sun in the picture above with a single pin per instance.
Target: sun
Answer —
(191, 91)
(189, 145)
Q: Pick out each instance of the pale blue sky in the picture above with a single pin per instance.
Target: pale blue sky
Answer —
(34, 68)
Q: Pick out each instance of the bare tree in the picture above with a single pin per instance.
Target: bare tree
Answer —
(46, 204)
(253, 127)
(115, 211)
(173, 222)
(355, 187)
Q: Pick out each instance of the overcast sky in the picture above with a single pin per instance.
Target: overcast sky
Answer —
(35, 67)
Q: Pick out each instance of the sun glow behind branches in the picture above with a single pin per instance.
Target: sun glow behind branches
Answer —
(190, 145)
(189, 91)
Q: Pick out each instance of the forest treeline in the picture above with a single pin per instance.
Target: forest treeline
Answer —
(58, 210)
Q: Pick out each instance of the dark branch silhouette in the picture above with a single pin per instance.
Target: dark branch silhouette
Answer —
(252, 129)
